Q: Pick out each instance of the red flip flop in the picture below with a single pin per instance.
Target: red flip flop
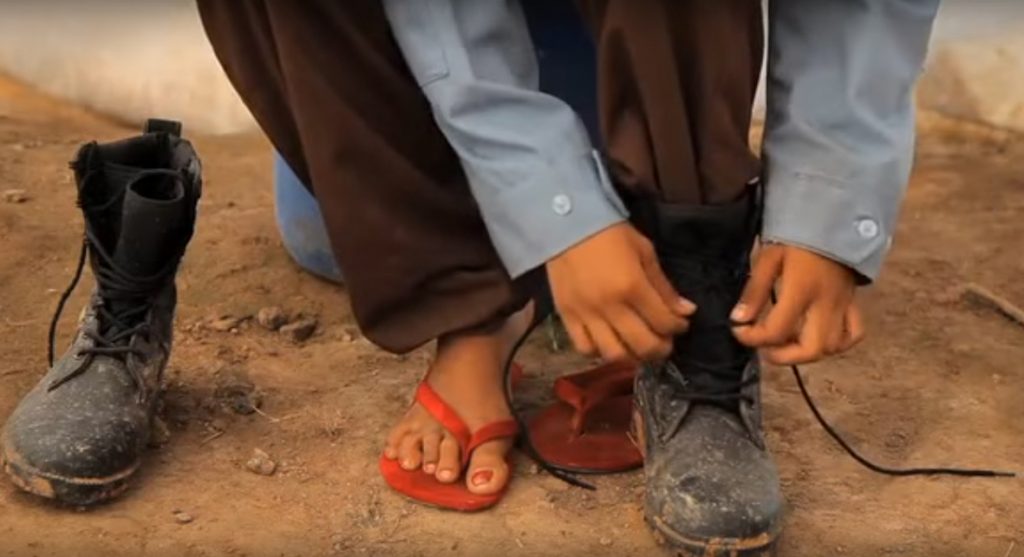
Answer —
(587, 430)
(424, 487)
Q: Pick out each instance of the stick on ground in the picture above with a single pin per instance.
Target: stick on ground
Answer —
(982, 296)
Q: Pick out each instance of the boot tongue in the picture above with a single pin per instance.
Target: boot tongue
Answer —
(705, 252)
(154, 206)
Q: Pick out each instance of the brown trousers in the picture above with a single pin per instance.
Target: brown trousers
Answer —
(329, 86)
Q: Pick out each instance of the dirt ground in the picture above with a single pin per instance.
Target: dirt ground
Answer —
(938, 382)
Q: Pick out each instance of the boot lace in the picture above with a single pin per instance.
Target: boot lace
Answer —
(125, 300)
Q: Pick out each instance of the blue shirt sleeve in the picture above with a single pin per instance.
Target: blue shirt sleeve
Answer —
(540, 185)
(839, 130)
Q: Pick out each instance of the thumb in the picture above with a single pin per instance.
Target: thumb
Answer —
(656, 277)
(758, 289)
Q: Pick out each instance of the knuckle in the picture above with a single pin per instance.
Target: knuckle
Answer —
(615, 355)
(776, 336)
(583, 349)
(645, 247)
(660, 351)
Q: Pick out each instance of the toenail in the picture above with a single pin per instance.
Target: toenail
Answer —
(429, 468)
(446, 475)
(481, 477)
(408, 465)
(390, 453)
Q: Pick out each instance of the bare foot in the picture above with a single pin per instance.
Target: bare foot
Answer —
(467, 373)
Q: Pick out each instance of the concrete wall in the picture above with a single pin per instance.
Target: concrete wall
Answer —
(976, 67)
(128, 58)
(135, 58)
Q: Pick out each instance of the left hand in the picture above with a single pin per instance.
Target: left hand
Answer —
(816, 314)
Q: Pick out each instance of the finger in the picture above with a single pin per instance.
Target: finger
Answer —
(854, 325)
(665, 292)
(662, 318)
(835, 334)
(758, 289)
(608, 343)
(578, 334)
(643, 343)
(779, 326)
(810, 344)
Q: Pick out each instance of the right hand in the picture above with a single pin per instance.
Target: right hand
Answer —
(614, 299)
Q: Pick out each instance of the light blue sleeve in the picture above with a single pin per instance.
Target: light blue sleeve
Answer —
(839, 130)
(540, 184)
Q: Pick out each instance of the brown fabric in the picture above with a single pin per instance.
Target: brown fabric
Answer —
(327, 83)
(676, 85)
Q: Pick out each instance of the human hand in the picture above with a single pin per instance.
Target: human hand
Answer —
(614, 299)
(815, 315)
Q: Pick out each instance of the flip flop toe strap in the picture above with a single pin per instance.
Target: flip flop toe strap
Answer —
(451, 421)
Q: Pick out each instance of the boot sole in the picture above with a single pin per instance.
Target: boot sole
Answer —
(81, 492)
(762, 545)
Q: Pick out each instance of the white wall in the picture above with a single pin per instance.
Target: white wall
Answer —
(128, 58)
(136, 58)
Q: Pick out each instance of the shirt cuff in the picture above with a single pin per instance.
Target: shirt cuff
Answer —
(827, 216)
(558, 204)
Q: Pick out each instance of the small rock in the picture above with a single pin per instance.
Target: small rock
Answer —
(271, 318)
(261, 463)
(605, 541)
(300, 330)
(182, 517)
(159, 434)
(236, 391)
(15, 196)
(224, 324)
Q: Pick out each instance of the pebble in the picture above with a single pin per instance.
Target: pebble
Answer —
(224, 324)
(271, 318)
(159, 433)
(15, 196)
(300, 330)
(261, 463)
(182, 517)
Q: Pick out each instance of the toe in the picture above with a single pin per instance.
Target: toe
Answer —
(431, 451)
(394, 441)
(488, 469)
(410, 451)
(448, 463)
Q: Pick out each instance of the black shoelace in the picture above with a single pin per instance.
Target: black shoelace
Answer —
(724, 388)
(124, 302)
(871, 465)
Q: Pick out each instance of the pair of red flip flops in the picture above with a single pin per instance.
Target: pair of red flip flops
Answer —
(585, 431)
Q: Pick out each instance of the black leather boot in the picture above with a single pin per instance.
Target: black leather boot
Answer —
(79, 435)
(712, 487)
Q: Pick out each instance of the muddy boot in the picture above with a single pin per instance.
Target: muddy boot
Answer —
(79, 435)
(712, 487)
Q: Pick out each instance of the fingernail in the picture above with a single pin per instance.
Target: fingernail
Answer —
(686, 305)
(481, 477)
(739, 313)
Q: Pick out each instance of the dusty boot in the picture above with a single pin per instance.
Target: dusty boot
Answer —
(78, 436)
(712, 487)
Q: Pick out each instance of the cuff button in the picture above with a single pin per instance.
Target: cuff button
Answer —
(867, 228)
(561, 205)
